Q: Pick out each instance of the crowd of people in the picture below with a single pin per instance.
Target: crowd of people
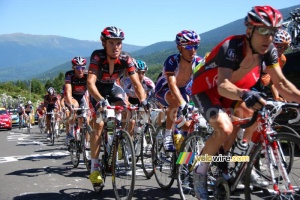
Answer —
(227, 81)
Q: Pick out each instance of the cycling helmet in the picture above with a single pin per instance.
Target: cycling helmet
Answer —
(112, 32)
(264, 16)
(282, 36)
(29, 102)
(78, 61)
(187, 37)
(51, 91)
(141, 65)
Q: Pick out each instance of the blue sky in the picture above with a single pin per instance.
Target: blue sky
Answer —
(144, 22)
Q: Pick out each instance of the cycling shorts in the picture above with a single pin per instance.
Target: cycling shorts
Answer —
(161, 95)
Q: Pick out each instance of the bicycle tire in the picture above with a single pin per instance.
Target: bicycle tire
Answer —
(123, 171)
(86, 159)
(52, 133)
(287, 142)
(194, 142)
(74, 153)
(146, 151)
(164, 164)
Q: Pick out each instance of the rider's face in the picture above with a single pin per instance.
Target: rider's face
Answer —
(261, 39)
(113, 47)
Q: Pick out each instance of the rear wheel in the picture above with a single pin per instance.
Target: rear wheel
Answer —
(123, 170)
(74, 153)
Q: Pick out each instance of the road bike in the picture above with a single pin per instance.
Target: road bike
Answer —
(271, 155)
(292, 25)
(118, 155)
(78, 143)
(54, 129)
(42, 123)
(164, 162)
(143, 138)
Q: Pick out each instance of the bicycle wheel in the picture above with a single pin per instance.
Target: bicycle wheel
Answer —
(52, 132)
(287, 143)
(146, 150)
(123, 170)
(193, 143)
(74, 153)
(164, 165)
(85, 151)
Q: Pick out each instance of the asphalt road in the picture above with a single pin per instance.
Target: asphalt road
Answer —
(31, 168)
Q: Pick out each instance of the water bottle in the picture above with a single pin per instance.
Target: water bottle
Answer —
(241, 148)
(178, 138)
(240, 134)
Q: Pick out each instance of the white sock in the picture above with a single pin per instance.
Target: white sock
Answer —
(168, 132)
(202, 168)
(94, 165)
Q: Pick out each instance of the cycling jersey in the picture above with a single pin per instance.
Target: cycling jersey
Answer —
(147, 84)
(108, 83)
(229, 54)
(78, 84)
(171, 65)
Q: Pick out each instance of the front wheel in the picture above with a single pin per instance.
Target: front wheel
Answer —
(164, 165)
(266, 169)
(192, 145)
(123, 169)
(146, 150)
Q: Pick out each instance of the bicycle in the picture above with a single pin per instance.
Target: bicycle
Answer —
(269, 150)
(117, 156)
(27, 123)
(292, 25)
(53, 126)
(143, 138)
(42, 124)
(77, 145)
(164, 163)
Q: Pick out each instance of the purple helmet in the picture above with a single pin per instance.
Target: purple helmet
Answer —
(187, 37)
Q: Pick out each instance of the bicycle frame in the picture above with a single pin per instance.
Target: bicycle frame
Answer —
(263, 134)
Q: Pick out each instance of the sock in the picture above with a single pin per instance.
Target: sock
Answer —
(202, 168)
(94, 165)
(168, 132)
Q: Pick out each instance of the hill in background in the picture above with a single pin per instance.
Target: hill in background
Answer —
(25, 56)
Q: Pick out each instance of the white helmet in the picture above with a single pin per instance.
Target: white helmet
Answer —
(29, 102)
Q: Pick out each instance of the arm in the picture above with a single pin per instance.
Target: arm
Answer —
(225, 87)
(91, 86)
(172, 84)
(284, 87)
(139, 90)
(68, 93)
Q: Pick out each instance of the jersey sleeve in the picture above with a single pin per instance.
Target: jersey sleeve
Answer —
(170, 65)
(130, 67)
(271, 57)
(94, 60)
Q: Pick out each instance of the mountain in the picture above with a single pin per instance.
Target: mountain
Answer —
(25, 56)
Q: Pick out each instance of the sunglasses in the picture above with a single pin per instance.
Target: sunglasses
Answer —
(266, 31)
(281, 47)
(190, 47)
(79, 68)
(141, 72)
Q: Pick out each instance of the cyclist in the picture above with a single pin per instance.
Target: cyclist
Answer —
(21, 111)
(51, 104)
(40, 112)
(170, 89)
(28, 111)
(226, 75)
(76, 94)
(282, 41)
(106, 67)
(147, 83)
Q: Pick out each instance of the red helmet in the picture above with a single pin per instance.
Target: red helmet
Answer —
(112, 32)
(264, 16)
(78, 61)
